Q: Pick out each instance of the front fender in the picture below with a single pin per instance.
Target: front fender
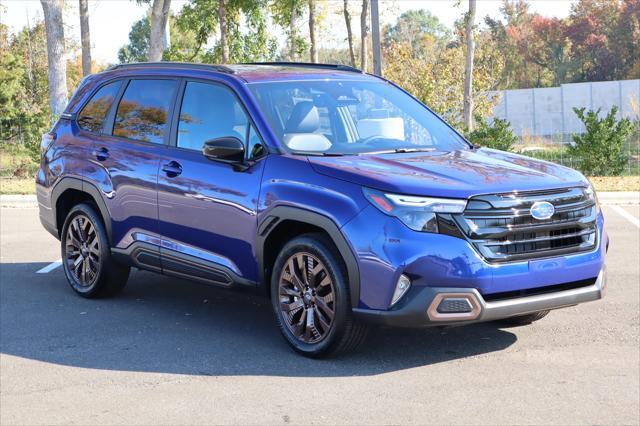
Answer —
(292, 190)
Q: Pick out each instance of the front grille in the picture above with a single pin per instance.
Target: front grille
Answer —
(501, 228)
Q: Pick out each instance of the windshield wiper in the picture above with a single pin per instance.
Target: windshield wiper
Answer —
(398, 151)
(318, 154)
(405, 150)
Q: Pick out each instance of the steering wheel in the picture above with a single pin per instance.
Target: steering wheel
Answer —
(371, 139)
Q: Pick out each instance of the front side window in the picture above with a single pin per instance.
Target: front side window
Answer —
(256, 148)
(143, 111)
(209, 111)
(351, 117)
(94, 114)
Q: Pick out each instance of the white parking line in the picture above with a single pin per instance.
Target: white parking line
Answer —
(50, 267)
(622, 212)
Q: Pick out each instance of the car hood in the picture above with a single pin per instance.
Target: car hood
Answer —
(454, 174)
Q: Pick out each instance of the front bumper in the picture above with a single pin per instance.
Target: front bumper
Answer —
(437, 261)
(420, 308)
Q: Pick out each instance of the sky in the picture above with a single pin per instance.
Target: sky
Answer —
(110, 20)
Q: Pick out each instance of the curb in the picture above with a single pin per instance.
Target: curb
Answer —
(631, 198)
(18, 201)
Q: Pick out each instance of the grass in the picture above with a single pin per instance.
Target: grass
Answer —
(615, 183)
(17, 186)
(17, 170)
(17, 162)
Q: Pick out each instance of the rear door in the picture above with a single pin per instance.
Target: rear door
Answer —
(126, 162)
(207, 209)
(92, 125)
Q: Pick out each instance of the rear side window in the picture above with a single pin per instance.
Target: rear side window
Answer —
(143, 111)
(94, 113)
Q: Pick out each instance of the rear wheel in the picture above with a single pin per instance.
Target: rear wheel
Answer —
(86, 255)
(310, 298)
(524, 319)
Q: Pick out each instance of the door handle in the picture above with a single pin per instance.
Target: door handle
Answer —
(101, 154)
(172, 168)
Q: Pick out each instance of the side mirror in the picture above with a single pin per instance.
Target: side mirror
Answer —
(228, 149)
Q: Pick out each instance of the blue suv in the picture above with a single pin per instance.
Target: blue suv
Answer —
(335, 193)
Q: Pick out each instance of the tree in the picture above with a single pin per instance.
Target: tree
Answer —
(313, 51)
(222, 21)
(286, 14)
(513, 39)
(604, 36)
(550, 49)
(157, 41)
(138, 48)
(294, 34)
(468, 68)
(626, 39)
(24, 98)
(597, 41)
(364, 31)
(413, 26)
(437, 77)
(55, 56)
(85, 37)
(198, 17)
(347, 21)
(197, 23)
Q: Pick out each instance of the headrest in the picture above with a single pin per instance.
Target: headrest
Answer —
(304, 118)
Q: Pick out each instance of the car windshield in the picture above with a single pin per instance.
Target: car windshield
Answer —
(330, 117)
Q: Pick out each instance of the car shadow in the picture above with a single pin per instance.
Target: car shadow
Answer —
(166, 325)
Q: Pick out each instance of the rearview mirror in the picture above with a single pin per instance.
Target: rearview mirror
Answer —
(228, 149)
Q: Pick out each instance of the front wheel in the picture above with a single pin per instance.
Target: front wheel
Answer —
(310, 298)
(86, 256)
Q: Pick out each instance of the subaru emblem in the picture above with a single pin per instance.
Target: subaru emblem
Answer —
(542, 210)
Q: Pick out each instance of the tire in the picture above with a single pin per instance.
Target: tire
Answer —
(86, 255)
(524, 319)
(322, 295)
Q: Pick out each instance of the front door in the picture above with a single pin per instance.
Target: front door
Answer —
(207, 209)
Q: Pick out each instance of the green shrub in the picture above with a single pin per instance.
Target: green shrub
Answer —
(600, 151)
(497, 135)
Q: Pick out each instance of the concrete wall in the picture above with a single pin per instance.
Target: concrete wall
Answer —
(549, 111)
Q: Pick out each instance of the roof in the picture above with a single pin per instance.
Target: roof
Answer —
(259, 71)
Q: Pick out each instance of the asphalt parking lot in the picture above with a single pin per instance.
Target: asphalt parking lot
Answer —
(170, 351)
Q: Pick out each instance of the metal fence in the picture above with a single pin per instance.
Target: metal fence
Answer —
(544, 121)
(548, 112)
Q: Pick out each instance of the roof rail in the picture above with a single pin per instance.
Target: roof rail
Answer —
(338, 67)
(169, 64)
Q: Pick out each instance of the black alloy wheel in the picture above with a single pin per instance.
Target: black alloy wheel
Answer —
(310, 296)
(83, 250)
(307, 297)
(86, 255)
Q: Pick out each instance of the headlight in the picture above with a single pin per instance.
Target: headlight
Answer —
(418, 213)
(590, 192)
